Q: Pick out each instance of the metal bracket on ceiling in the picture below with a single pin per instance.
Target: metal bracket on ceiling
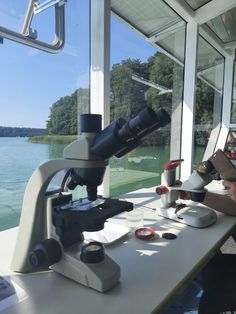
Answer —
(28, 36)
(47, 4)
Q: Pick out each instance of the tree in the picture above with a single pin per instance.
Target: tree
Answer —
(204, 103)
(161, 73)
(127, 95)
(63, 119)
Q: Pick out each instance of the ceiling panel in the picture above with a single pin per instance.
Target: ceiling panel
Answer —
(210, 65)
(224, 26)
(174, 43)
(196, 4)
(149, 17)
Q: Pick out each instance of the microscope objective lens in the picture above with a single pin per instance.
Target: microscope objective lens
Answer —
(93, 247)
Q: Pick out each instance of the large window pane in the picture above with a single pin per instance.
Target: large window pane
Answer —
(40, 93)
(141, 75)
(209, 93)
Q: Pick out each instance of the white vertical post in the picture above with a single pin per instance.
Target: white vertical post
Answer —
(100, 68)
(189, 98)
(227, 100)
(228, 89)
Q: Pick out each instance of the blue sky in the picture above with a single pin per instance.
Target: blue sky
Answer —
(31, 80)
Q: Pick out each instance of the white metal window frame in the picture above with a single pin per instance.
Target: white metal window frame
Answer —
(194, 21)
(100, 11)
(191, 44)
(193, 32)
(100, 70)
(227, 100)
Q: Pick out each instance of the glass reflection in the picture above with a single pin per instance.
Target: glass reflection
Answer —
(208, 105)
(142, 76)
(196, 4)
(224, 26)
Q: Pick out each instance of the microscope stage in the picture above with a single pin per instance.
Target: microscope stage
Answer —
(83, 204)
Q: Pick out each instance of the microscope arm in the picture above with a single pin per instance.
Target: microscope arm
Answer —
(227, 171)
(220, 202)
(33, 216)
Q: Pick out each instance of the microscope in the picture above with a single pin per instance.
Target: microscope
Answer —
(52, 223)
(217, 167)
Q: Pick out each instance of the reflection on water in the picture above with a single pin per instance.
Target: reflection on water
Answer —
(140, 168)
(55, 150)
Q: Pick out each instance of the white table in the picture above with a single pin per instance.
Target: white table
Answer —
(152, 272)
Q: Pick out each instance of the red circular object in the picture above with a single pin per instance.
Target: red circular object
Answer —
(161, 189)
(145, 233)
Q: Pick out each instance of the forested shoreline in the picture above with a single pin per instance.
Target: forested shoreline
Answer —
(127, 97)
(20, 132)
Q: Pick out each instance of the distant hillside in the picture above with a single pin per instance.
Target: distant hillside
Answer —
(21, 132)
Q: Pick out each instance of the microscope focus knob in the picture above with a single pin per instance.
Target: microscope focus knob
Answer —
(45, 254)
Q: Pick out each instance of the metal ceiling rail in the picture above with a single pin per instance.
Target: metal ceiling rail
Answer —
(204, 14)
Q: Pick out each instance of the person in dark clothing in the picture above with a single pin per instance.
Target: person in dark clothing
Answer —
(219, 276)
(219, 285)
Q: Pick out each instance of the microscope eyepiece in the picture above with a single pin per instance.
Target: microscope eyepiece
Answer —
(144, 121)
(205, 167)
(90, 123)
(117, 139)
(120, 136)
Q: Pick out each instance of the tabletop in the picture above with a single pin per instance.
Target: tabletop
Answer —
(153, 271)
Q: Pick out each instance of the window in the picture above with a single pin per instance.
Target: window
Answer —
(40, 92)
(209, 94)
(142, 75)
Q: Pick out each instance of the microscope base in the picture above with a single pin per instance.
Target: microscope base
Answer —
(192, 215)
(100, 276)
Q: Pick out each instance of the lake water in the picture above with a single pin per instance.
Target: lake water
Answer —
(19, 159)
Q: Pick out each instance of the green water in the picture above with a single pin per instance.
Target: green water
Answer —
(19, 158)
(141, 168)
